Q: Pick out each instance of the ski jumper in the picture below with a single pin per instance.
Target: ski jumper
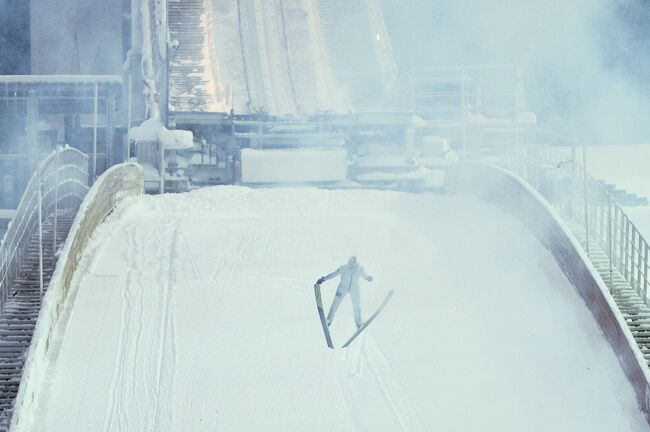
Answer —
(350, 274)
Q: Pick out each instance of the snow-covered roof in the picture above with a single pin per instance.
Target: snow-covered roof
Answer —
(153, 130)
(61, 79)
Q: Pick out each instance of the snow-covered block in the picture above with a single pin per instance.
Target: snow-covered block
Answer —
(176, 139)
(153, 130)
(293, 165)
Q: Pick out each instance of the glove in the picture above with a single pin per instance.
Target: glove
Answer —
(370, 278)
(320, 281)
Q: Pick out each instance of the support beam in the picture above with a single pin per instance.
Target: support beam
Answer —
(32, 132)
(110, 128)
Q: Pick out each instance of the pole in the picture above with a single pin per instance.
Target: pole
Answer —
(161, 168)
(129, 117)
(56, 199)
(95, 134)
(584, 178)
(3, 275)
(40, 229)
(610, 241)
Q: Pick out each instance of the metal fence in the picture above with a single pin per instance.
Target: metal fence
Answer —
(61, 181)
(600, 222)
(118, 183)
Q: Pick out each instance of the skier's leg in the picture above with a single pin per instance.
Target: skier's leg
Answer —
(355, 295)
(335, 305)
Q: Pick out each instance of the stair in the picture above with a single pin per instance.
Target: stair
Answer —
(191, 80)
(19, 314)
(623, 197)
(634, 310)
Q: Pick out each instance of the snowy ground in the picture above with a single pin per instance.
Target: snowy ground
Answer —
(196, 312)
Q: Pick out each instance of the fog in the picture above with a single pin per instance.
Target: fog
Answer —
(584, 61)
(14, 37)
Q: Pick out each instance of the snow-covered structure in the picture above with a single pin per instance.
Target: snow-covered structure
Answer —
(292, 57)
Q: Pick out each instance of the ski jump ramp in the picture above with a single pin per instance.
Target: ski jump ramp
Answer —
(205, 320)
(280, 57)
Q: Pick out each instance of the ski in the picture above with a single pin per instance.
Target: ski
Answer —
(321, 313)
(371, 319)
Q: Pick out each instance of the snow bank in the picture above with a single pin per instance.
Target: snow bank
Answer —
(153, 130)
(430, 178)
(117, 183)
(293, 165)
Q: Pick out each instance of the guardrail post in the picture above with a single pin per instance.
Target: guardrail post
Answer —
(584, 178)
(109, 125)
(639, 264)
(626, 273)
(32, 133)
(56, 198)
(40, 229)
(645, 274)
(610, 242)
(94, 177)
(129, 117)
(161, 168)
(4, 270)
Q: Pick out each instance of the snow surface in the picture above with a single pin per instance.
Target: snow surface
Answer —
(272, 57)
(430, 178)
(205, 320)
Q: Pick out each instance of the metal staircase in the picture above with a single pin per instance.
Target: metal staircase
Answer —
(192, 80)
(28, 256)
(628, 300)
(21, 309)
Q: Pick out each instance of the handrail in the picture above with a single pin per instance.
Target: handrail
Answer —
(584, 201)
(62, 175)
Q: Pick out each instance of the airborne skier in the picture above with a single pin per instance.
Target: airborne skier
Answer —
(349, 283)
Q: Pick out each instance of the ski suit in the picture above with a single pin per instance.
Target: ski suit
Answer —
(350, 274)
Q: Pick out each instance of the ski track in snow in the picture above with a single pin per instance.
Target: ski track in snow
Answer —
(212, 325)
(395, 393)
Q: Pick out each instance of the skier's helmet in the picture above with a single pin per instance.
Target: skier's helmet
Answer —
(353, 261)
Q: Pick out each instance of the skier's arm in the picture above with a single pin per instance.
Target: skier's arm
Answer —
(329, 276)
(365, 276)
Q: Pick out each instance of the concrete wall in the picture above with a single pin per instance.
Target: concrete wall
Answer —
(516, 197)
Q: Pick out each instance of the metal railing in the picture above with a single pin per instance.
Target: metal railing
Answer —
(61, 181)
(589, 207)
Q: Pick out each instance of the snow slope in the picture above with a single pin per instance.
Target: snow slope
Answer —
(196, 312)
(275, 57)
